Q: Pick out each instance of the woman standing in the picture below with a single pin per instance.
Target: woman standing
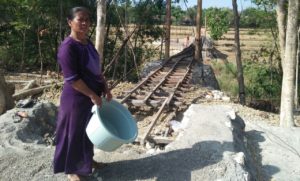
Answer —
(83, 87)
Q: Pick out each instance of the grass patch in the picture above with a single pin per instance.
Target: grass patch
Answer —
(226, 76)
(262, 82)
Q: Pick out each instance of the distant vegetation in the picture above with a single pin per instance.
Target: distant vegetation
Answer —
(30, 32)
(263, 82)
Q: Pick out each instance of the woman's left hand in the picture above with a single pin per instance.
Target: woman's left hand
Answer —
(108, 96)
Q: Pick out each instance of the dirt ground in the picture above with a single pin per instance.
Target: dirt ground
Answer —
(25, 153)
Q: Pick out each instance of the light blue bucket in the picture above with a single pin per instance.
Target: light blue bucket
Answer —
(111, 126)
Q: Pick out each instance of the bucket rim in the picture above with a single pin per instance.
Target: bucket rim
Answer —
(104, 101)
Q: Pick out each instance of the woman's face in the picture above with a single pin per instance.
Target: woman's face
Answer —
(80, 23)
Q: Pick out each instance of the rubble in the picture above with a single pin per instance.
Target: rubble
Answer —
(30, 125)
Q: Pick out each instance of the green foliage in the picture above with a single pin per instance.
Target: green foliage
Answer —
(148, 30)
(257, 18)
(23, 22)
(265, 3)
(190, 16)
(218, 21)
(177, 15)
(226, 76)
(262, 81)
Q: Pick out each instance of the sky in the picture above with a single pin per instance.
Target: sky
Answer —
(242, 4)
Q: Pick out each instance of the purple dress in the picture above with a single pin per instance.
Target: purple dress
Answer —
(74, 151)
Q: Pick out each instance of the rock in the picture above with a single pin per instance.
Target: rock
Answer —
(176, 125)
(226, 98)
(151, 151)
(217, 94)
(204, 75)
(231, 114)
(150, 66)
(208, 96)
(240, 158)
(25, 103)
(150, 145)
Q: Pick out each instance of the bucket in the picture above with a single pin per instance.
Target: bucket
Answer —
(111, 126)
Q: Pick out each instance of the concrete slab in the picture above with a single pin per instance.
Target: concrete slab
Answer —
(276, 150)
(205, 150)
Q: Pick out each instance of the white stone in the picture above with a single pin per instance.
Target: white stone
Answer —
(175, 125)
(151, 151)
(240, 158)
(228, 124)
(208, 97)
(226, 98)
(231, 114)
(217, 94)
(149, 145)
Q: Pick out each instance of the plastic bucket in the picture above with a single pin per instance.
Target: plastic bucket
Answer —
(111, 126)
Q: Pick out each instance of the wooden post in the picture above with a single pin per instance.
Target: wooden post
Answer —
(168, 29)
(240, 76)
(6, 101)
(198, 48)
(100, 29)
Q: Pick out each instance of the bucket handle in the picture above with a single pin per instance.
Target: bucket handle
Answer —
(94, 108)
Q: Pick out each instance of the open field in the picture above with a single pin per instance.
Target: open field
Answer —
(253, 42)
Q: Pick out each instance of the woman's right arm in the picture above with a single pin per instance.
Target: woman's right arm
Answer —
(80, 86)
(67, 57)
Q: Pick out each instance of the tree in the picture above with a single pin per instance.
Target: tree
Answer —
(100, 28)
(281, 21)
(296, 98)
(191, 14)
(288, 66)
(218, 21)
(167, 29)
(198, 47)
(239, 65)
(177, 15)
(257, 18)
(147, 31)
(6, 101)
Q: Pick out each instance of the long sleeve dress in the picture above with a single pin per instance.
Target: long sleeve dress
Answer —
(74, 151)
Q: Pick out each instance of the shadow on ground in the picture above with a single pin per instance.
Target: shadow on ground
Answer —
(173, 165)
(262, 172)
(218, 54)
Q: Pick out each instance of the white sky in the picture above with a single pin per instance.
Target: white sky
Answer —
(242, 4)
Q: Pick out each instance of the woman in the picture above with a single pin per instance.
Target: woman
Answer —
(83, 87)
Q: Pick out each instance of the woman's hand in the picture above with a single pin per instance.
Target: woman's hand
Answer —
(96, 100)
(108, 96)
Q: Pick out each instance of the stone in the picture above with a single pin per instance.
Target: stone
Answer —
(204, 75)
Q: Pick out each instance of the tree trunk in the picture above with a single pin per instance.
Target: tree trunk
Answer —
(40, 53)
(23, 46)
(296, 98)
(61, 36)
(198, 47)
(281, 21)
(239, 65)
(125, 63)
(288, 79)
(23, 50)
(6, 101)
(100, 29)
(168, 29)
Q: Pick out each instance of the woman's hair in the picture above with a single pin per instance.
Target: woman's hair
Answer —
(73, 11)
